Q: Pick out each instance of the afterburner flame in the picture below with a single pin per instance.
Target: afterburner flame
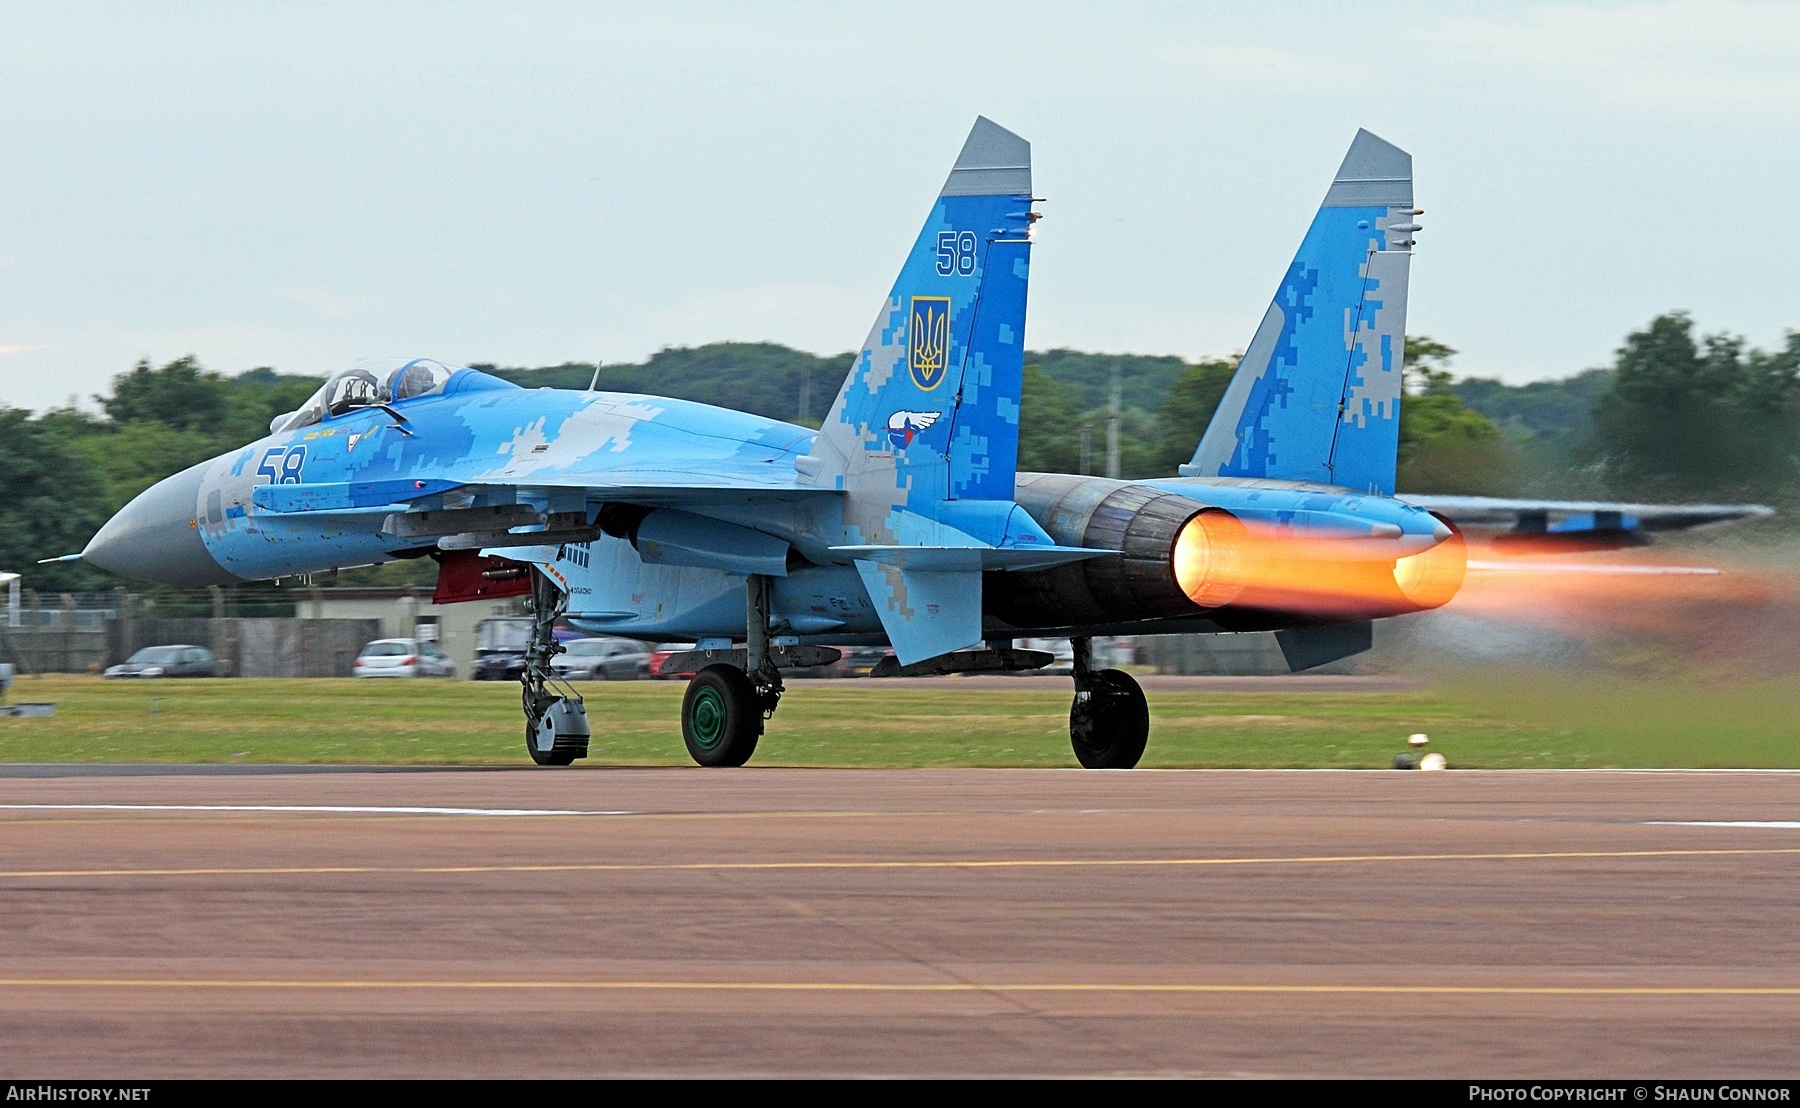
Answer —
(1210, 558)
(1221, 560)
(1637, 591)
(1432, 578)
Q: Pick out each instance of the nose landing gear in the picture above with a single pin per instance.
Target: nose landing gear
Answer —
(556, 723)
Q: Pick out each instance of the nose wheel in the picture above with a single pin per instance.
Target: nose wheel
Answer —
(1109, 722)
(556, 723)
(556, 728)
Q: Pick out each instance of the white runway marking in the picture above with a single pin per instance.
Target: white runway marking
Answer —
(1778, 825)
(340, 809)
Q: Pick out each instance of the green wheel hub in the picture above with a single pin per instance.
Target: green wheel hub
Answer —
(706, 718)
(720, 716)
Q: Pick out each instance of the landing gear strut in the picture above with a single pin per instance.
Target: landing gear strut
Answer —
(556, 724)
(723, 712)
(1109, 723)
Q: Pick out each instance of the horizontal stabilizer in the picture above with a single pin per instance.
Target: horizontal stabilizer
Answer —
(1563, 516)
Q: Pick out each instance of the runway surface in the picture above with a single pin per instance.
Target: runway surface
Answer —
(776, 922)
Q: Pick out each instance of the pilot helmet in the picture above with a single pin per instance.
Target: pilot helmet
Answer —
(416, 379)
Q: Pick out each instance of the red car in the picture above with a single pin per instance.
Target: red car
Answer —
(661, 655)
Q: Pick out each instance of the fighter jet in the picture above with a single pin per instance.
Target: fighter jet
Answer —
(903, 520)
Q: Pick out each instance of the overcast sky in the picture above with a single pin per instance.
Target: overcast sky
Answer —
(300, 185)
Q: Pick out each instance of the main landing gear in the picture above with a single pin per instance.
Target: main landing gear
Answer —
(723, 712)
(1109, 723)
(556, 723)
(731, 694)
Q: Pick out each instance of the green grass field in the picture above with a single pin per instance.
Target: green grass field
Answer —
(1506, 720)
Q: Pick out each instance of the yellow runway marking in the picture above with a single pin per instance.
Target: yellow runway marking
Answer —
(901, 987)
(943, 864)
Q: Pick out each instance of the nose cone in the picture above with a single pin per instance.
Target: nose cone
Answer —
(156, 537)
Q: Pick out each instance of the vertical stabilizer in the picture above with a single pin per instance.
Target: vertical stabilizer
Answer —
(1317, 395)
(924, 437)
(930, 411)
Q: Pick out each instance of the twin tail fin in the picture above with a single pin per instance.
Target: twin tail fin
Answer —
(1317, 395)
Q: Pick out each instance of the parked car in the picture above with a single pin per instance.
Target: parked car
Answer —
(603, 658)
(402, 658)
(177, 660)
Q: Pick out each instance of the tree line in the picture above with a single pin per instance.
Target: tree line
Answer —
(1677, 415)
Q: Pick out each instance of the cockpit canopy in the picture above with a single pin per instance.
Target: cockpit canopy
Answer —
(366, 384)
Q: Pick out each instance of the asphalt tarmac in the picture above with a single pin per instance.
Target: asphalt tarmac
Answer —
(167, 922)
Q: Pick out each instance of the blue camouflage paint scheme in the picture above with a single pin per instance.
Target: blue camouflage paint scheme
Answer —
(1302, 513)
(970, 450)
(1279, 433)
(947, 351)
(1317, 395)
(900, 503)
(879, 526)
(543, 447)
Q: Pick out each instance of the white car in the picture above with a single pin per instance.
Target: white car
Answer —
(402, 658)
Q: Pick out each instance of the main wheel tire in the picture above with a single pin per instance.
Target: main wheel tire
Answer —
(721, 719)
(1111, 725)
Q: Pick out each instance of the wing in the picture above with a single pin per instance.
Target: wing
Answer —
(1571, 525)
